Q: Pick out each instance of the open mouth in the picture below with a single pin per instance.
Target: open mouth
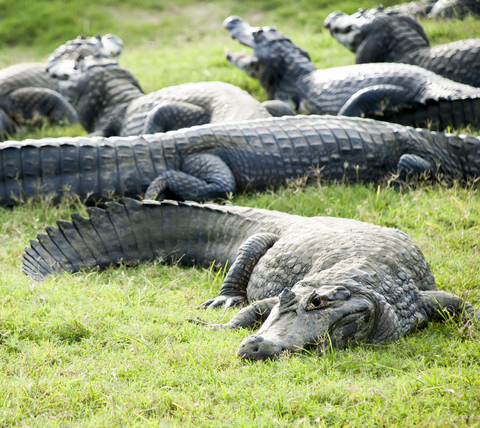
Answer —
(237, 57)
(240, 30)
(248, 63)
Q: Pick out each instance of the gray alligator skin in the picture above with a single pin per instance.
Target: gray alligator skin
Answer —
(416, 9)
(109, 101)
(28, 94)
(215, 160)
(310, 279)
(378, 35)
(400, 93)
(454, 9)
(441, 9)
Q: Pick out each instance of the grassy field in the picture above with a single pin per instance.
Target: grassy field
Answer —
(112, 348)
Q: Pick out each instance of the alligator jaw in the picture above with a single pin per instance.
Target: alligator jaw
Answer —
(241, 30)
(257, 38)
(258, 348)
(341, 316)
(248, 63)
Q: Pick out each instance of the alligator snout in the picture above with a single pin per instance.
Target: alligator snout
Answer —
(331, 19)
(230, 22)
(258, 348)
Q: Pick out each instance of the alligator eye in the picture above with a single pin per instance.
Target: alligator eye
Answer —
(315, 302)
(257, 35)
(347, 29)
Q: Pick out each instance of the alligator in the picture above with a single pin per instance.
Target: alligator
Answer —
(379, 35)
(445, 9)
(28, 94)
(316, 282)
(28, 98)
(110, 102)
(401, 93)
(454, 9)
(215, 160)
(416, 9)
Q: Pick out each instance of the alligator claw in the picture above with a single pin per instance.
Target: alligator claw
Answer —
(223, 301)
(156, 188)
(206, 324)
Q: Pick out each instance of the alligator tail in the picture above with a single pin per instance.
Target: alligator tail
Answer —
(132, 232)
(436, 115)
(92, 168)
(7, 127)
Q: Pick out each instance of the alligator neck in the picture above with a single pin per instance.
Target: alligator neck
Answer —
(281, 78)
(102, 105)
(391, 42)
(402, 45)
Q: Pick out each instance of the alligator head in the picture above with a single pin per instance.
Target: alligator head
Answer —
(315, 316)
(275, 58)
(68, 65)
(74, 74)
(108, 46)
(376, 35)
(93, 85)
(349, 30)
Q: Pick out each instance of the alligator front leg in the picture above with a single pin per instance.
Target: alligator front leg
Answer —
(234, 288)
(375, 99)
(248, 317)
(413, 165)
(278, 108)
(175, 115)
(438, 305)
(33, 106)
(253, 315)
(202, 177)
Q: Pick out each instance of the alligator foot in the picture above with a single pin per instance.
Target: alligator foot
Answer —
(439, 305)
(233, 292)
(34, 106)
(203, 177)
(206, 324)
(173, 115)
(374, 100)
(278, 108)
(156, 188)
(410, 166)
(224, 301)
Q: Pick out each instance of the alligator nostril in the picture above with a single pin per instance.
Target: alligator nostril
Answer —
(255, 349)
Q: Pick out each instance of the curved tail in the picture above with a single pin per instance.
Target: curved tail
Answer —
(436, 115)
(133, 232)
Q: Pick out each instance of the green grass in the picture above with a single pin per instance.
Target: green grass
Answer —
(113, 348)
